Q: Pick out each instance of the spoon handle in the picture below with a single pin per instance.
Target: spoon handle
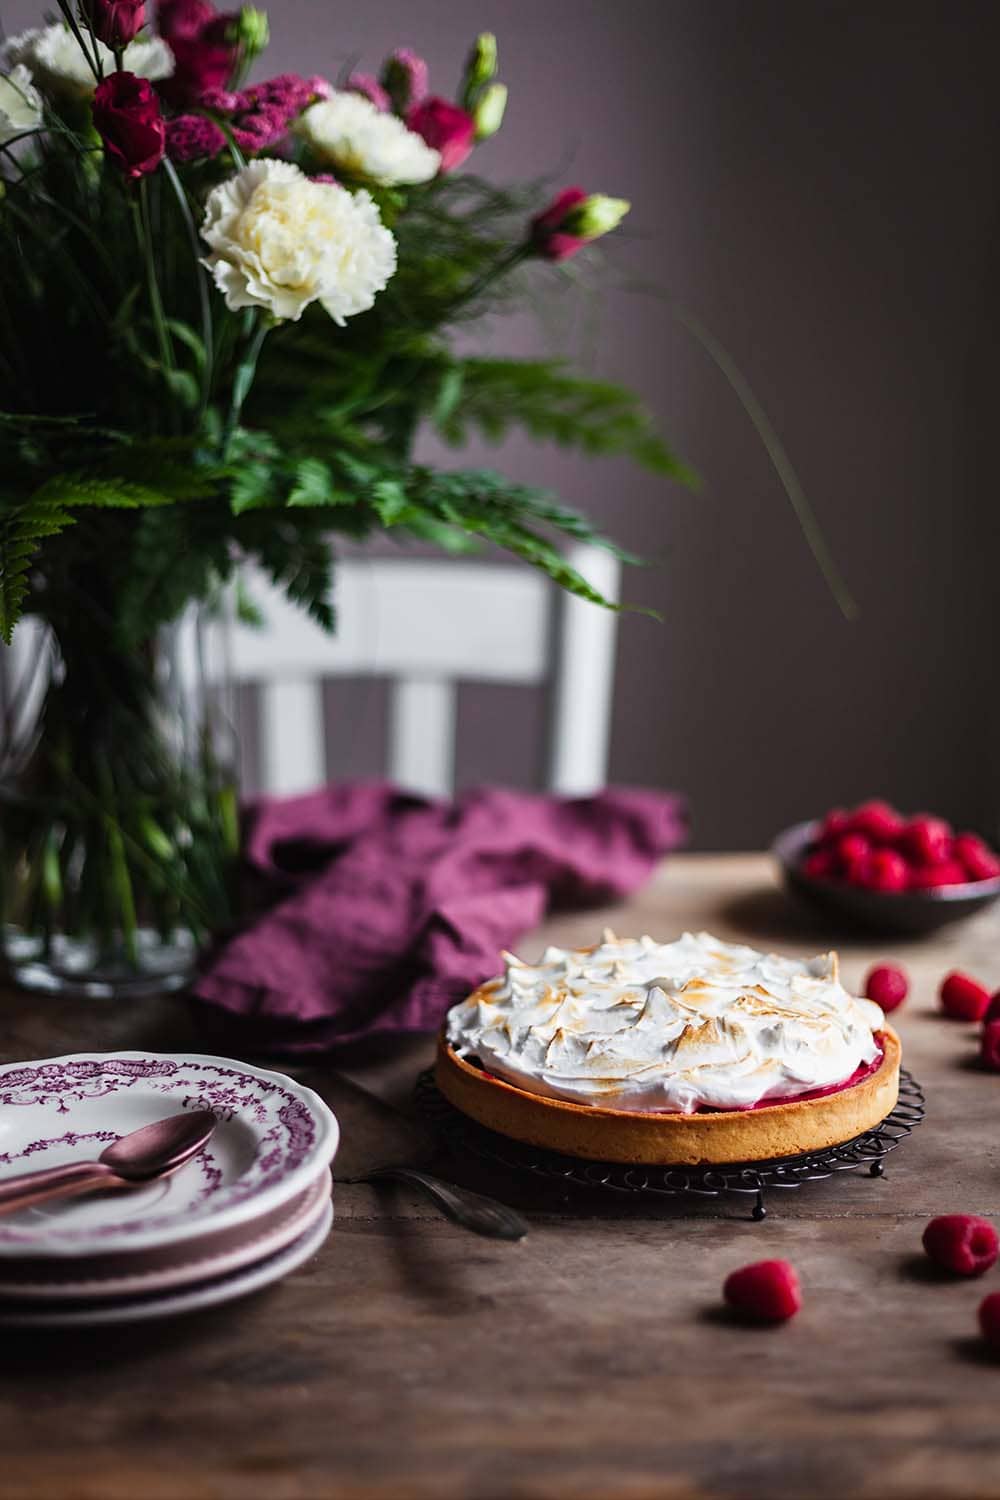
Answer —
(55, 1182)
(471, 1210)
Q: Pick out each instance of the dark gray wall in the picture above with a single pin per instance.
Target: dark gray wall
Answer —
(816, 179)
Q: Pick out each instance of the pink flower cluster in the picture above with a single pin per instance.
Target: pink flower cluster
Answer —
(258, 117)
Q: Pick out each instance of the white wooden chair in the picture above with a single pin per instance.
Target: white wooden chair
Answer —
(426, 625)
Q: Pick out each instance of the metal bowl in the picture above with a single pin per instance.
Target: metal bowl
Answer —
(878, 911)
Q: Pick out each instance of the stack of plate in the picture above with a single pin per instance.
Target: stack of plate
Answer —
(250, 1207)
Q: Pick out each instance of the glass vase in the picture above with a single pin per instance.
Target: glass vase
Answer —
(118, 804)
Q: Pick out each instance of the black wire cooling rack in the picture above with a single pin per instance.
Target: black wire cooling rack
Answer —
(746, 1179)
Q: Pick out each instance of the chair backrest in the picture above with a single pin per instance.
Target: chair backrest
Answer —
(428, 625)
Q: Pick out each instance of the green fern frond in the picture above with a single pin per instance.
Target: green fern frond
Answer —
(597, 417)
(298, 563)
(72, 491)
(22, 531)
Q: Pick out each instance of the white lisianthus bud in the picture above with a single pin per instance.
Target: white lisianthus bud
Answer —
(488, 110)
(252, 31)
(20, 104)
(280, 241)
(480, 67)
(596, 215)
(482, 61)
(349, 133)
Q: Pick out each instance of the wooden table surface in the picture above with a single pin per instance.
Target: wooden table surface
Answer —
(410, 1358)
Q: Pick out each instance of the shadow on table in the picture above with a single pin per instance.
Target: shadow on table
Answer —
(41, 1355)
(772, 916)
(551, 1198)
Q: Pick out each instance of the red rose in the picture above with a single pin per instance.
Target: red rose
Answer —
(114, 22)
(127, 118)
(450, 130)
(545, 228)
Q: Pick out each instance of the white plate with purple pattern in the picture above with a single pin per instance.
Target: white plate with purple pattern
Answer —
(186, 1299)
(62, 1278)
(273, 1138)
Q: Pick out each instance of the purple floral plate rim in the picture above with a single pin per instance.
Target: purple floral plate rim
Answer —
(296, 1135)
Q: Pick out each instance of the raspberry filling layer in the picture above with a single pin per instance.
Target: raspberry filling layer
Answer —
(863, 1071)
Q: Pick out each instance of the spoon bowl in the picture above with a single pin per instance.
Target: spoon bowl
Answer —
(154, 1150)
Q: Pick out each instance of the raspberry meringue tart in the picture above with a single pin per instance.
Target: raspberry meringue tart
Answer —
(686, 1053)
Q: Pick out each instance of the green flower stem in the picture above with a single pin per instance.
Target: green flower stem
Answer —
(119, 879)
(204, 295)
(508, 262)
(243, 378)
(229, 819)
(70, 267)
(144, 235)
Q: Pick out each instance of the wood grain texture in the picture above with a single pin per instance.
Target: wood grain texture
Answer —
(591, 1361)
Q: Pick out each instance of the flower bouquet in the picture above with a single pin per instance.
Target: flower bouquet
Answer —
(226, 308)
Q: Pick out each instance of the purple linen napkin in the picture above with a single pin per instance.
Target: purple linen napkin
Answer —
(381, 908)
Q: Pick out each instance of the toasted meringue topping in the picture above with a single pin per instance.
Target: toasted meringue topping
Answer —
(637, 1025)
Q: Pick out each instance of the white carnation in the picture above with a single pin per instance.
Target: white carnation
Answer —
(281, 241)
(53, 57)
(20, 104)
(348, 132)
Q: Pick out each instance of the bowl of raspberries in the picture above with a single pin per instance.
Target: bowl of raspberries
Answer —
(886, 871)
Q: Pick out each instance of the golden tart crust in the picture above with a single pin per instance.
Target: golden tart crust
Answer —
(659, 1139)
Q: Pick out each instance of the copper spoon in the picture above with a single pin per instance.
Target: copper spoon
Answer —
(152, 1151)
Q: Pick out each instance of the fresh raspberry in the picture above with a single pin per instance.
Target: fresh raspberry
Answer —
(851, 847)
(853, 853)
(836, 822)
(931, 877)
(765, 1292)
(819, 865)
(989, 1046)
(887, 985)
(968, 843)
(976, 858)
(989, 1319)
(878, 821)
(926, 840)
(888, 871)
(962, 1243)
(962, 997)
(856, 871)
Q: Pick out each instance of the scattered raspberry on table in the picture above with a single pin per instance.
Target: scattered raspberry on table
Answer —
(993, 1009)
(989, 1319)
(989, 1046)
(765, 1292)
(962, 997)
(962, 1243)
(887, 985)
